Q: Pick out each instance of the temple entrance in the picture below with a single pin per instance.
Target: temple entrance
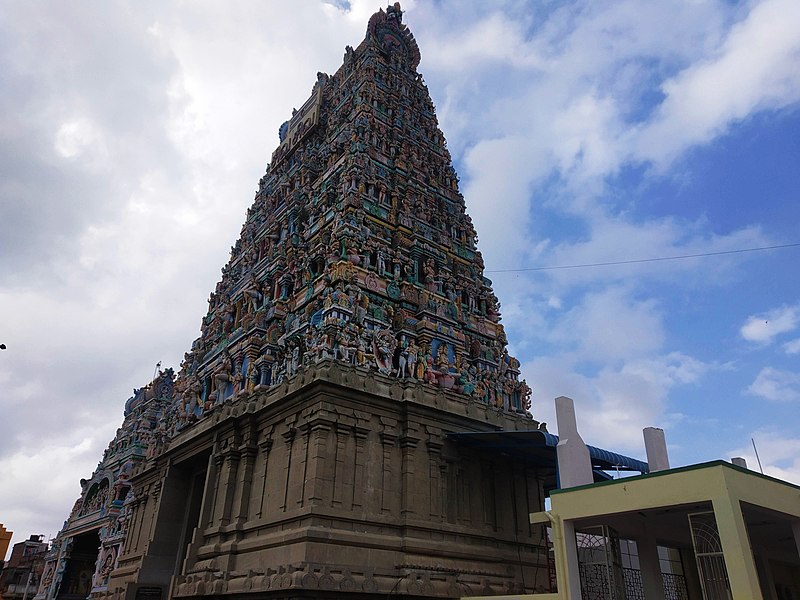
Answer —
(176, 523)
(195, 472)
(77, 581)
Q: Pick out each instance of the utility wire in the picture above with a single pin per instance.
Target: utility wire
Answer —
(644, 260)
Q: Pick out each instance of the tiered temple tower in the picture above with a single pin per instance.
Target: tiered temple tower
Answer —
(304, 446)
(357, 248)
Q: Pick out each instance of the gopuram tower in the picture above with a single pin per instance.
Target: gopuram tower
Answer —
(304, 448)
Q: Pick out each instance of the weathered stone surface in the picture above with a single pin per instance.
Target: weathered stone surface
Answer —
(322, 481)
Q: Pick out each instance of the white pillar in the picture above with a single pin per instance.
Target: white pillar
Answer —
(656, 447)
(739, 562)
(573, 575)
(574, 464)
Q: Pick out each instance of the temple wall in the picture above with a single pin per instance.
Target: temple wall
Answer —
(314, 475)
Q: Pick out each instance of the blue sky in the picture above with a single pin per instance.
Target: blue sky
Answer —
(134, 134)
(612, 133)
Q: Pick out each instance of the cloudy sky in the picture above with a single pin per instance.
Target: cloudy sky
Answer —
(133, 135)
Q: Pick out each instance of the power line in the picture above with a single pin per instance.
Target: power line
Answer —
(645, 260)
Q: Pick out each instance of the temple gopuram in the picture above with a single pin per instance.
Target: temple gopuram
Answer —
(305, 447)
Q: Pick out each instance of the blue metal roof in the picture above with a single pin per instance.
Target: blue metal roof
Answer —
(540, 447)
(613, 458)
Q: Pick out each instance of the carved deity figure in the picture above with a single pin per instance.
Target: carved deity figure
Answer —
(226, 314)
(412, 352)
(383, 345)
(402, 360)
(380, 262)
(255, 293)
(442, 360)
(222, 377)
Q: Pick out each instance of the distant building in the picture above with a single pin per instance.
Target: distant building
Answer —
(22, 573)
(5, 541)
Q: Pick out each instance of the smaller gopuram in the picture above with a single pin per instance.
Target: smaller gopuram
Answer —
(306, 447)
(85, 551)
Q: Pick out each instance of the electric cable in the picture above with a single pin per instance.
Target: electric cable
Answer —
(644, 260)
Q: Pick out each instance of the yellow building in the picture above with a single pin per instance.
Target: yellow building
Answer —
(738, 531)
(711, 531)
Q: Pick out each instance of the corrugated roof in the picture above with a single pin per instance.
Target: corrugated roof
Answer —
(539, 447)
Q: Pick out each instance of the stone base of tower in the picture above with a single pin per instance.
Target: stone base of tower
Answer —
(338, 483)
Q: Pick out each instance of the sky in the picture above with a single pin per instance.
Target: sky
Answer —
(133, 135)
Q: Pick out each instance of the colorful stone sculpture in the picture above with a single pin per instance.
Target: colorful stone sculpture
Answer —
(357, 244)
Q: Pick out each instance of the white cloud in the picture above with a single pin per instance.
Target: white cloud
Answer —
(614, 404)
(610, 325)
(667, 370)
(497, 202)
(495, 39)
(632, 377)
(792, 347)
(554, 302)
(754, 69)
(45, 477)
(776, 385)
(763, 328)
(779, 454)
(577, 113)
(619, 238)
(78, 136)
(580, 77)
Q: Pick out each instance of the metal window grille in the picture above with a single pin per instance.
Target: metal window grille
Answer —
(675, 587)
(710, 559)
(600, 564)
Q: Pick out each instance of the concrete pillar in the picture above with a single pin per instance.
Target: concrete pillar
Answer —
(571, 573)
(574, 464)
(739, 560)
(652, 581)
(656, 447)
(765, 572)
